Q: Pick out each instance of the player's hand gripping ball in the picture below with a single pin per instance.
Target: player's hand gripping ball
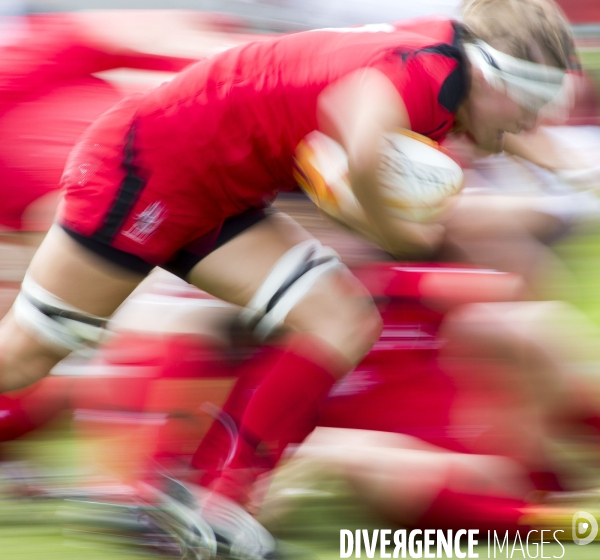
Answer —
(416, 177)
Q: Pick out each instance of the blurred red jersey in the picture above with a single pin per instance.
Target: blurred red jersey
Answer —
(48, 97)
(165, 168)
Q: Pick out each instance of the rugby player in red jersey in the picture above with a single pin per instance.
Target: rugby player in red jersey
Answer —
(181, 177)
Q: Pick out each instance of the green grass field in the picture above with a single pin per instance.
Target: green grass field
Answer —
(32, 530)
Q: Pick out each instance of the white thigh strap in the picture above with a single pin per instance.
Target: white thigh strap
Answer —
(54, 322)
(287, 283)
(275, 317)
(285, 267)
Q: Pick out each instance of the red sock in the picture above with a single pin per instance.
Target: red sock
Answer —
(453, 510)
(284, 409)
(211, 455)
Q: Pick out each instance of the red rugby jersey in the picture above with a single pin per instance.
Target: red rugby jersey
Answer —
(232, 123)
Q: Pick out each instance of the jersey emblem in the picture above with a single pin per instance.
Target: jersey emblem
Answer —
(147, 222)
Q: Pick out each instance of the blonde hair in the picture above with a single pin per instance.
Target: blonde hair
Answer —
(517, 26)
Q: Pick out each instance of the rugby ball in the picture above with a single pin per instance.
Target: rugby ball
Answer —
(416, 177)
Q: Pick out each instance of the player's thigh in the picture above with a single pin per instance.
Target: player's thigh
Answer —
(337, 308)
(234, 271)
(81, 280)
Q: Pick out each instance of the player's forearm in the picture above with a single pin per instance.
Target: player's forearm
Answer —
(400, 237)
(540, 148)
(364, 159)
(356, 112)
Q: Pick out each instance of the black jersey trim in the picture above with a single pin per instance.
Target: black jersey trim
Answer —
(128, 194)
(453, 91)
(455, 87)
(125, 260)
(182, 263)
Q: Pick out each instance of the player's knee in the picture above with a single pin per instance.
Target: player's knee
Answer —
(311, 291)
(359, 329)
(23, 360)
(374, 327)
(342, 314)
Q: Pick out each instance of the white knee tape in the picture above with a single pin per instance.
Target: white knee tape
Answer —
(292, 277)
(55, 323)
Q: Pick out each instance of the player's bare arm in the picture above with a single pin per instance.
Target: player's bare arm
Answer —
(357, 111)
